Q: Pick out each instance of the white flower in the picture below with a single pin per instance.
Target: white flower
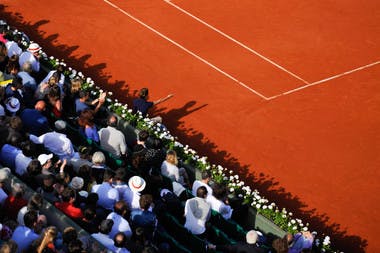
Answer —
(258, 206)
(293, 221)
(305, 229)
(294, 227)
(265, 206)
(232, 189)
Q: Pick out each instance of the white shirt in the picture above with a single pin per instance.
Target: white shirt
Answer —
(197, 212)
(56, 143)
(3, 196)
(113, 140)
(21, 163)
(170, 170)
(108, 196)
(28, 56)
(119, 225)
(104, 239)
(23, 236)
(13, 48)
(220, 207)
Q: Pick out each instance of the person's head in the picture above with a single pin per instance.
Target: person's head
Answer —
(53, 80)
(280, 245)
(27, 67)
(206, 176)
(146, 201)
(251, 237)
(13, 67)
(89, 213)
(69, 234)
(15, 123)
(54, 94)
(16, 83)
(68, 195)
(120, 240)
(48, 236)
(108, 175)
(202, 192)
(120, 207)
(86, 117)
(92, 199)
(45, 160)
(171, 157)
(18, 190)
(120, 175)
(48, 181)
(30, 218)
(9, 246)
(105, 226)
(75, 246)
(144, 93)
(154, 143)
(76, 85)
(28, 148)
(35, 202)
(84, 95)
(40, 106)
(143, 135)
(85, 152)
(98, 158)
(85, 171)
(219, 191)
(34, 167)
(112, 121)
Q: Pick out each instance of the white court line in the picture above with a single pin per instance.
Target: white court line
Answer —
(236, 41)
(186, 50)
(325, 80)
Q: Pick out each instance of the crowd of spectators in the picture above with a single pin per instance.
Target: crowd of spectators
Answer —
(118, 206)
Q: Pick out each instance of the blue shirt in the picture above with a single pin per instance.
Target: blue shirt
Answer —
(34, 122)
(142, 106)
(80, 106)
(8, 155)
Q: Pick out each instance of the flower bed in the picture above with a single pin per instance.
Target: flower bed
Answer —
(279, 216)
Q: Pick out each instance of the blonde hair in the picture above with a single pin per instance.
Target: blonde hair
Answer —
(171, 157)
(76, 85)
(49, 235)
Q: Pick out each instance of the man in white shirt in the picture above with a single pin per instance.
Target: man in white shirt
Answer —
(111, 139)
(102, 237)
(32, 55)
(120, 223)
(108, 195)
(205, 179)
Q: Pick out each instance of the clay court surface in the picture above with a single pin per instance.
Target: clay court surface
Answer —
(285, 93)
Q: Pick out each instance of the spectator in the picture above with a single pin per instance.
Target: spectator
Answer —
(75, 246)
(32, 55)
(56, 142)
(24, 235)
(142, 137)
(280, 245)
(12, 106)
(300, 241)
(47, 189)
(120, 240)
(69, 234)
(104, 229)
(137, 185)
(67, 204)
(15, 201)
(111, 139)
(23, 159)
(34, 121)
(85, 172)
(142, 104)
(29, 83)
(15, 133)
(71, 95)
(98, 166)
(15, 89)
(46, 163)
(33, 176)
(8, 154)
(4, 176)
(83, 159)
(83, 102)
(88, 222)
(219, 201)
(169, 169)
(12, 68)
(44, 87)
(77, 184)
(197, 212)
(9, 246)
(205, 180)
(54, 99)
(144, 217)
(87, 126)
(248, 246)
(122, 187)
(45, 244)
(34, 204)
(121, 224)
(108, 195)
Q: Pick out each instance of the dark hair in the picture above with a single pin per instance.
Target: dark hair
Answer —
(92, 198)
(144, 92)
(67, 194)
(106, 226)
(75, 246)
(28, 148)
(16, 82)
(219, 191)
(35, 202)
(54, 92)
(280, 245)
(83, 93)
(30, 218)
(120, 174)
(145, 201)
(120, 240)
(15, 122)
(89, 213)
(34, 167)
(112, 121)
(108, 175)
(202, 192)
(69, 234)
(143, 135)
(120, 207)
(206, 174)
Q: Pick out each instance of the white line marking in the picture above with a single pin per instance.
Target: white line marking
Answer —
(186, 50)
(236, 41)
(325, 80)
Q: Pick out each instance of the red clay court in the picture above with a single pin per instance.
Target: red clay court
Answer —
(288, 90)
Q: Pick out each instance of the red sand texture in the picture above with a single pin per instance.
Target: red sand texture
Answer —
(320, 144)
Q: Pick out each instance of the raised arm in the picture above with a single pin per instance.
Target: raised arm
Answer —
(163, 99)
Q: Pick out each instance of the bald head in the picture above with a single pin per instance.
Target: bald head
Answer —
(40, 106)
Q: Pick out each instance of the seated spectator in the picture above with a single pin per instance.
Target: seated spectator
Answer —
(87, 126)
(69, 234)
(113, 140)
(8, 154)
(33, 176)
(44, 87)
(15, 132)
(144, 217)
(75, 246)
(54, 101)
(15, 201)
(58, 72)
(169, 169)
(83, 102)
(29, 84)
(34, 204)
(83, 159)
(219, 201)
(46, 163)
(56, 142)
(108, 195)
(118, 216)
(248, 246)
(47, 189)
(4, 178)
(77, 184)
(120, 240)
(32, 55)
(205, 180)
(85, 172)
(122, 187)
(155, 154)
(88, 222)
(142, 104)
(142, 137)
(67, 204)
(34, 120)
(24, 235)
(138, 160)
(98, 166)
(15, 90)
(137, 185)
(71, 95)
(300, 241)
(104, 229)
(280, 245)
(46, 241)
(197, 212)
(23, 159)
(12, 68)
